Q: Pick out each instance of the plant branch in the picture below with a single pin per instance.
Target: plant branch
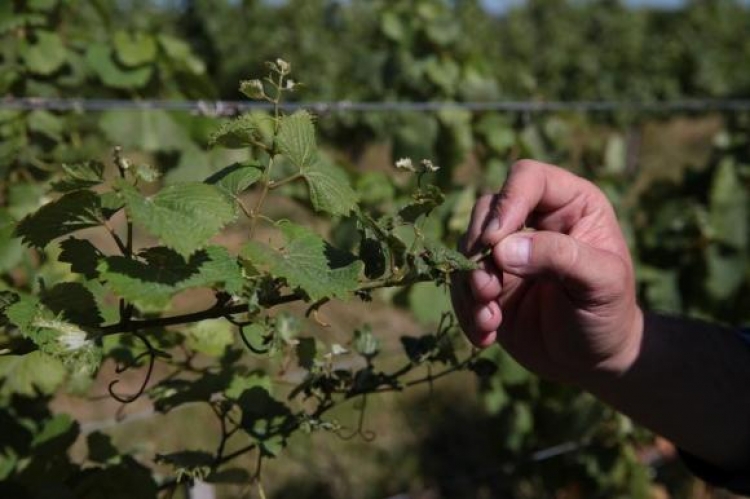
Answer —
(280, 183)
(214, 312)
(255, 213)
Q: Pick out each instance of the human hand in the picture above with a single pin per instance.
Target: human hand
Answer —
(561, 297)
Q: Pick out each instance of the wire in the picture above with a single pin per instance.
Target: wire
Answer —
(229, 108)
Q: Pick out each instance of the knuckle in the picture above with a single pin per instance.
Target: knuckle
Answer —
(565, 253)
(523, 164)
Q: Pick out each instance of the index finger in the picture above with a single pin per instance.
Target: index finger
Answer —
(532, 187)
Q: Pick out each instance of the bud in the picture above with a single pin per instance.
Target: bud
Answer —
(284, 67)
(253, 89)
(405, 164)
(429, 166)
(290, 85)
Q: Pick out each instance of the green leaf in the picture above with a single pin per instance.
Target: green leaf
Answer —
(56, 436)
(80, 176)
(172, 393)
(245, 131)
(422, 203)
(211, 336)
(99, 59)
(375, 187)
(149, 130)
(179, 51)
(296, 139)
(42, 5)
(30, 374)
(82, 256)
(7, 298)
(73, 211)
(73, 302)
(365, 343)
(160, 273)
(306, 262)
(46, 123)
(428, 302)
(726, 268)
(445, 259)
(729, 207)
(11, 248)
(306, 351)
(243, 382)
(330, 189)
(265, 419)
(101, 449)
(237, 177)
(46, 55)
(134, 49)
(184, 216)
(125, 480)
(146, 173)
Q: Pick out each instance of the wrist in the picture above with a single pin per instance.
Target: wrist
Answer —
(609, 372)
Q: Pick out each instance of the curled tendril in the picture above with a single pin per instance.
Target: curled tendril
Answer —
(151, 353)
(366, 435)
(249, 345)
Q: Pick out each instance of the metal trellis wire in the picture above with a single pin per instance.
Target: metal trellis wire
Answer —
(229, 108)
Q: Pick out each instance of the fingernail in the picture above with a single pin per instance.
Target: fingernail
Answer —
(481, 279)
(516, 251)
(484, 315)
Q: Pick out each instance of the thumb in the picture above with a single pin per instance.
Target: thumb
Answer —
(585, 272)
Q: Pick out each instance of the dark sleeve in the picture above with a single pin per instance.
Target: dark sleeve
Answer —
(737, 482)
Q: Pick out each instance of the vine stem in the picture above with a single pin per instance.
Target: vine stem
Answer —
(486, 252)
(280, 183)
(255, 212)
(219, 310)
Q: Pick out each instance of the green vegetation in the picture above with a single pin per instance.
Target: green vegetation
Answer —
(196, 266)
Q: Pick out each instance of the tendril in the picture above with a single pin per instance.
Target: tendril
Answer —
(366, 435)
(249, 345)
(151, 353)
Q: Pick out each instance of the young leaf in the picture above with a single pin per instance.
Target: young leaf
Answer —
(211, 336)
(99, 59)
(245, 131)
(297, 139)
(80, 176)
(149, 130)
(134, 49)
(73, 211)
(30, 374)
(47, 55)
(330, 189)
(423, 202)
(237, 177)
(184, 216)
(365, 343)
(445, 259)
(307, 263)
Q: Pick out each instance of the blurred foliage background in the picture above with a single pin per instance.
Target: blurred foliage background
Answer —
(678, 179)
